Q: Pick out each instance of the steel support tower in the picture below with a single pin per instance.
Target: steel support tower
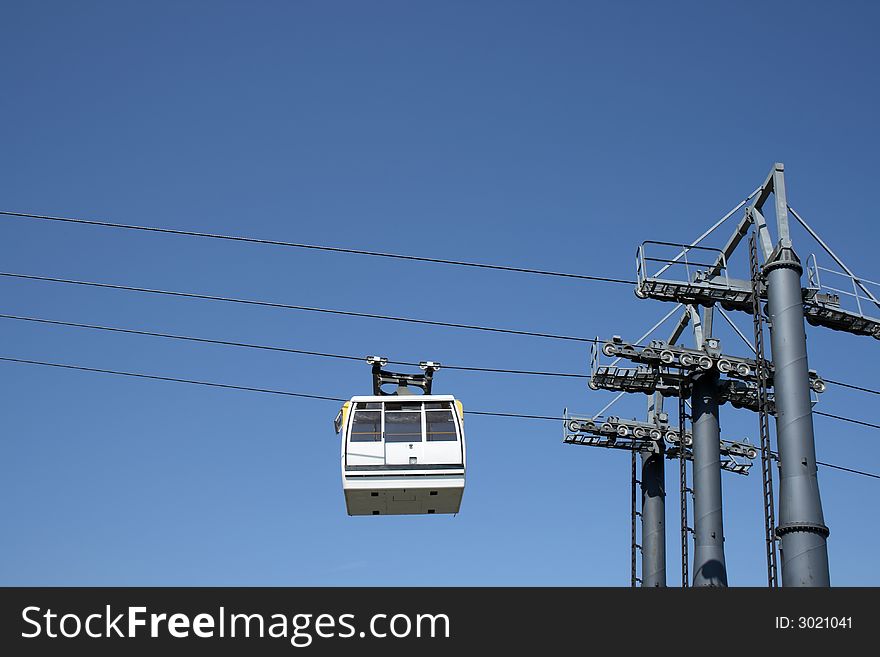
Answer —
(697, 276)
(802, 531)
(710, 568)
(663, 369)
(653, 513)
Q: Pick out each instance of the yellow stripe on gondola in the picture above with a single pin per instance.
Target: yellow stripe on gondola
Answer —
(345, 407)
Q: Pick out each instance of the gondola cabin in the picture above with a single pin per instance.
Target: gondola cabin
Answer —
(402, 454)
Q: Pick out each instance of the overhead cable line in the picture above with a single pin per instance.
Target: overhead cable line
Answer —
(295, 394)
(314, 247)
(307, 352)
(290, 350)
(517, 415)
(270, 391)
(287, 393)
(858, 472)
(287, 306)
(853, 387)
(847, 419)
(172, 379)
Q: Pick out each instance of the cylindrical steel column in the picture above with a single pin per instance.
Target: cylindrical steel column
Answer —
(653, 518)
(801, 526)
(710, 568)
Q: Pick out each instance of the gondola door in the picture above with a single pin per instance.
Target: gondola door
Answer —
(403, 432)
(444, 444)
(365, 448)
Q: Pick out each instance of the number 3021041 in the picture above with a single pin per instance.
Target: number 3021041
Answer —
(814, 623)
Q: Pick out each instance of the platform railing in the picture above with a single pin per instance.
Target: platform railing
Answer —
(693, 261)
(850, 287)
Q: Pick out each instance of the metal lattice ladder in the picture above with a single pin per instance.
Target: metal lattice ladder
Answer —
(635, 515)
(763, 418)
(683, 486)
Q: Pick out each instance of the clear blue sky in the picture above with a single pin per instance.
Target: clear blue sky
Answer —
(544, 134)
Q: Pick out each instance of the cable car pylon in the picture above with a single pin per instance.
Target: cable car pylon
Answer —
(696, 276)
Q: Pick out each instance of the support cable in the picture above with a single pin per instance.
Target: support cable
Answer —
(313, 247)
(851, 386)
(736, 329)
(289, 350)
(847, 419)
(707, 233)
(815, 236)
(248, 345)
(287, 306)
(271, 391)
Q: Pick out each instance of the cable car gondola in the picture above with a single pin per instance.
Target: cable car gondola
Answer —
(402, 453)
